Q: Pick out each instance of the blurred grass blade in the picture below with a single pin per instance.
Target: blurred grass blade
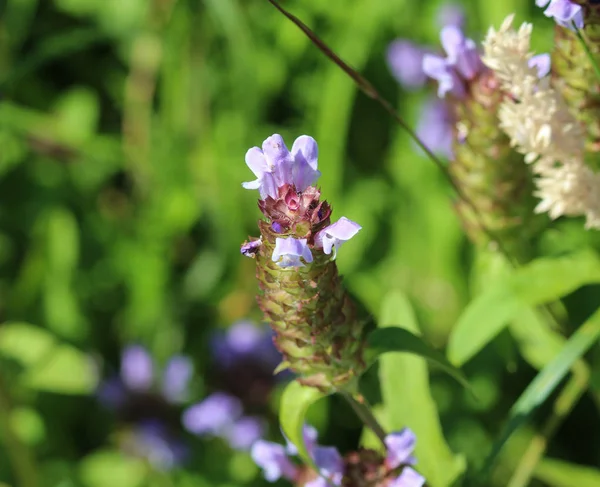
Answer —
(530, 286)
(404, 381)
(546, 381)
(557, 473)
(295, 401)
(395, 339)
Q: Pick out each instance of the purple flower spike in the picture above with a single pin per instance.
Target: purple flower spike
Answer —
(565, 12)
(137, 368)
(542, 62)
(288, 251)
(272, 458)
(435, 127)
(245, 432)
(400, 446)
(405, 60)
(213, 415)
(336, 234)
(409, 478)
(176, 378)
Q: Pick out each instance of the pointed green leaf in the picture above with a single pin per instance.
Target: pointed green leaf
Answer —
(404, 381)
(557, 473)
(395, 339)
(542, 281)
(547, 380)
(295, 401)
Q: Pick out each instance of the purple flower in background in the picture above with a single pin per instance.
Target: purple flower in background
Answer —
(451, 14)
(435, 127)
(336, 234)
(274, 165)
(566, 13)
(152, 441)
(542, 62)
(400, 446)
(405, 59)
(462, 62)
(408, 478)
(221, 415)
(146, 402)
(274, 461)
(288, 251)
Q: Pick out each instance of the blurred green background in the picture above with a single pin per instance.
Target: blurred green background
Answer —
(123, 129)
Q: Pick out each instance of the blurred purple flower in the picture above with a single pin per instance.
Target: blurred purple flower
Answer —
(272, 458)
(244, 432)
(137, 368)
(400, 446)
(152, 441)
(408, 478)
(542, 62)
(451, 14)
(275, 166)
(405, 60)
(288, 251)
(462, 62)
(330, 463)
(336, 234)
(213, 415)
(176, 379)
(435, 127)
(566, 13)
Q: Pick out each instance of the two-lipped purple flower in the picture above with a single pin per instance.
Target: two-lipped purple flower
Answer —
(276, 462)
(275, 165)
(566, 13)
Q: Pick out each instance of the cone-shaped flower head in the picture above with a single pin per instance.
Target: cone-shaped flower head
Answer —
(565, 12)
(489, 172)
(362, 468)
(302, 296)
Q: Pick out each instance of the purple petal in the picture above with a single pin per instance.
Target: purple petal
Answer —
(566, 13)
(279, 159)
(453, 41)
(213, 415)
(405, 60)
(542, 62)
(336, 234)
(330, 463)
(435, 127)
(305, 148)
(272, 458)
(288, 251)
(542, 3)
(176, 378)
(151, 440)
(255, 159)
(408, 478)
(462, 52)
(400, 446)
(438, 69)
(245, 432)
(137, 368)
(249, 249)
(309, 435)
(451, 14)
(111, 393)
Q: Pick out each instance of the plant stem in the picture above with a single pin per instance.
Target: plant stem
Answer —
(588, 51)
(362, 410)
(21, 458)
(563, 405)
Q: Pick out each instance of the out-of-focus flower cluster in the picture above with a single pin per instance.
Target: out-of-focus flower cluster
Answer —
(539, 124)
(363, 467)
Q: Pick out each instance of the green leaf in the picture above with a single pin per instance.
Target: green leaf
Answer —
(395, 339)
(404, 381)
(109, 468)
(557, 473)
(547, 380)
(295, 401)
(542, 281)
(49, 364)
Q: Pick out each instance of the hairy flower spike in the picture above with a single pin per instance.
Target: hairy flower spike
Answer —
(540, 126)
(302, 296)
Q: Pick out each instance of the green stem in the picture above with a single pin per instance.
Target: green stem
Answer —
(21, 458)
(362, 410)
(588, 51)
(564, 404)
